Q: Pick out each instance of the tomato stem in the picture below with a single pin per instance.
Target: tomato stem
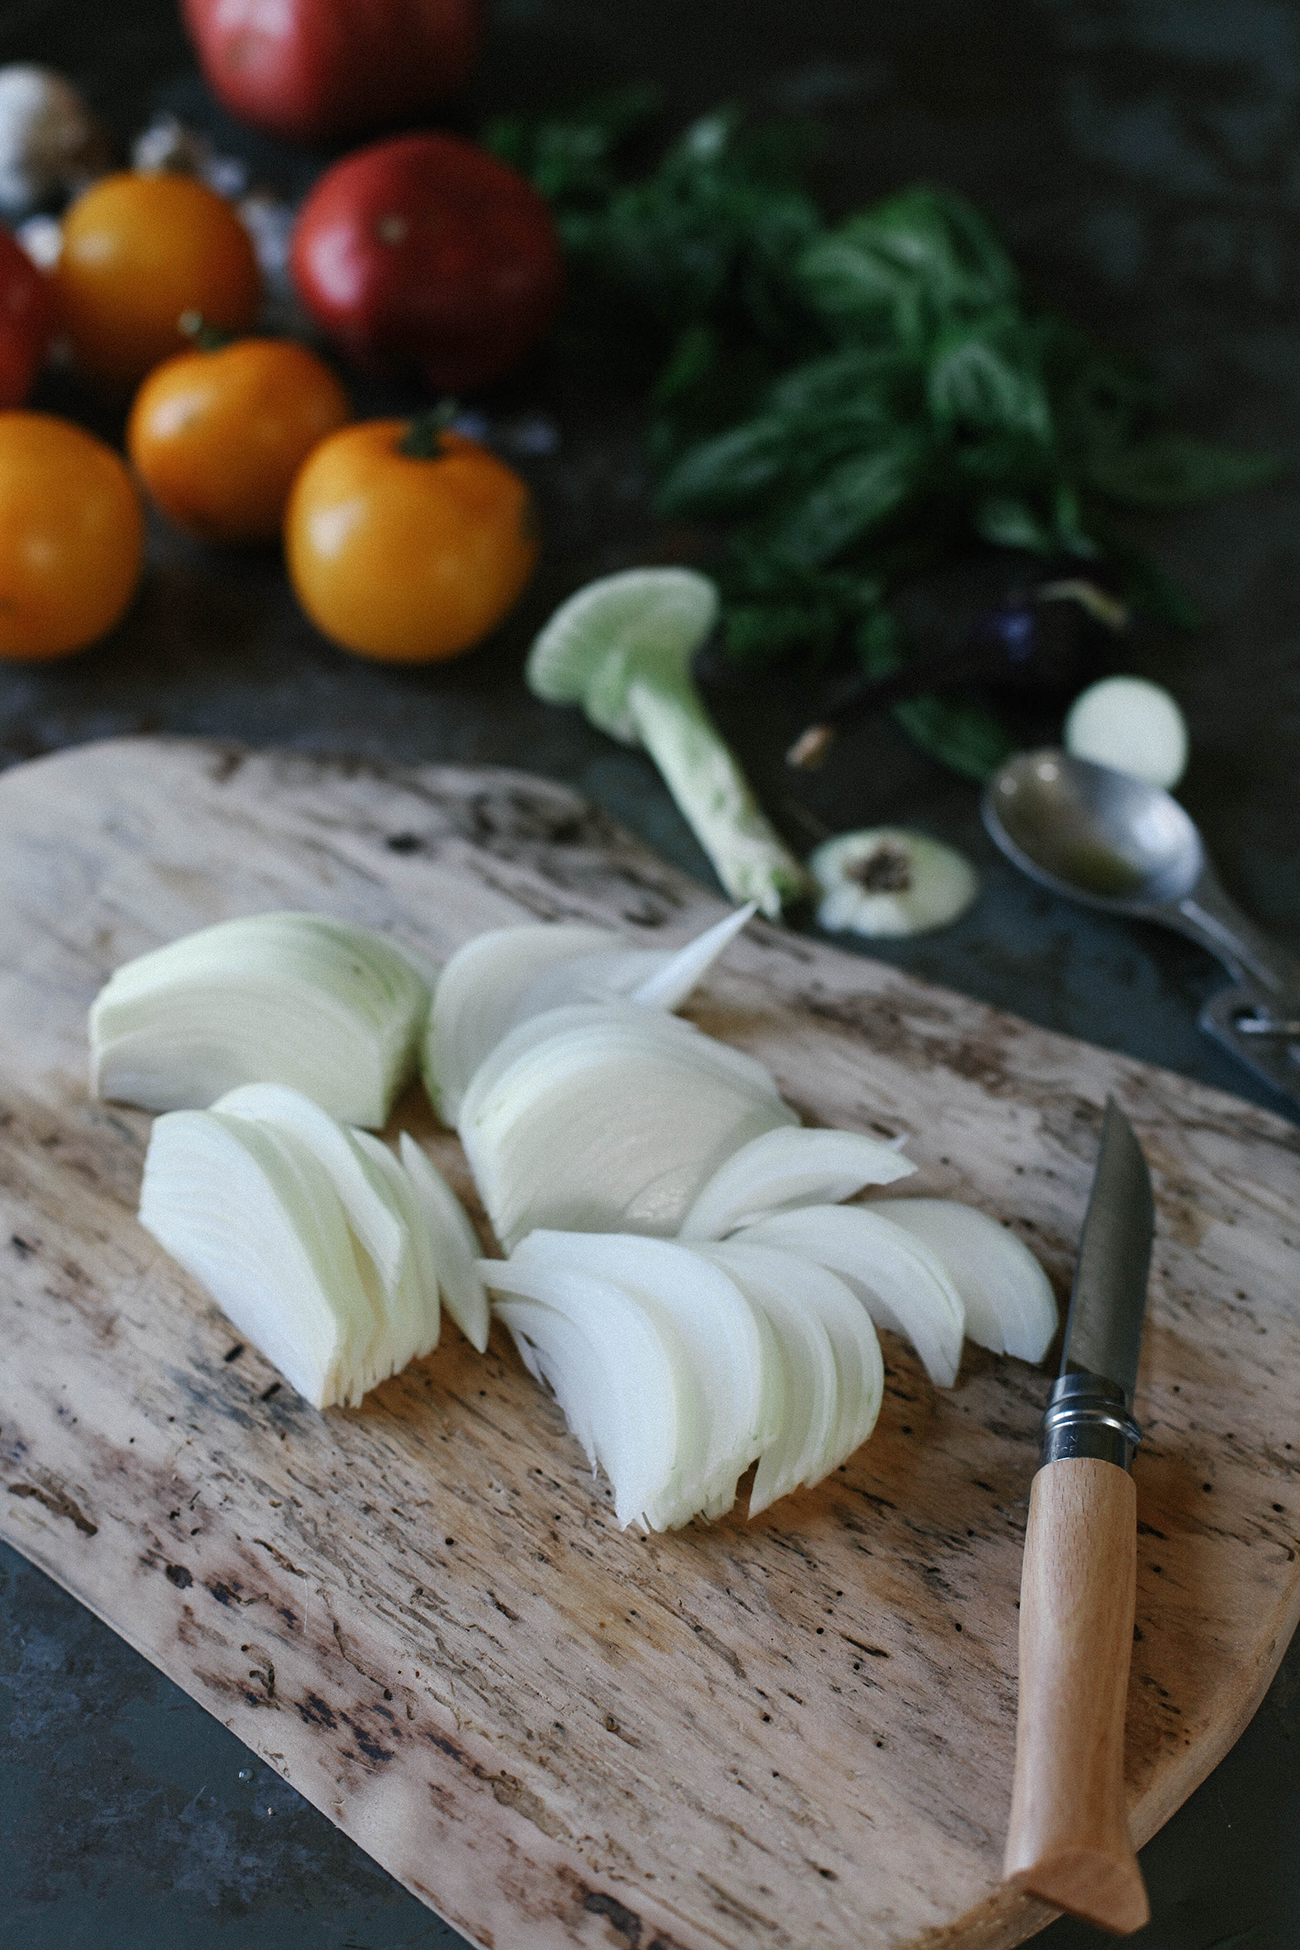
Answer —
(205, 336)
(423, 437)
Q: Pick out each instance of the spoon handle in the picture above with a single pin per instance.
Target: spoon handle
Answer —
(1260, 965)
(1275, 1058)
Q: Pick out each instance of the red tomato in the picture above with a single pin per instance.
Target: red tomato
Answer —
(310, 69)
(25, 320)
(428, 252)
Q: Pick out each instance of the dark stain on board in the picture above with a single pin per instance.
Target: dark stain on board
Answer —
(314, 1711)
(178, 1575)
(56, 1500)
(624, 1920)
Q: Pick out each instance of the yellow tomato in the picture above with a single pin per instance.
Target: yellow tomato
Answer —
(402, 558)
(138, 252)
(71, 536)
(217, 437)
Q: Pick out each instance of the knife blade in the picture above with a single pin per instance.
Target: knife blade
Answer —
(1068, 1838)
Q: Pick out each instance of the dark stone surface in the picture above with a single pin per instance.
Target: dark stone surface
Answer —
(1143, 158)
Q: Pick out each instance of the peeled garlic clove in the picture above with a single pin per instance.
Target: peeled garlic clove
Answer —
(1133, 726)
(331, 1009)
(888, 882)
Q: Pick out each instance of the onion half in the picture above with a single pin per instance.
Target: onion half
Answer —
(331, 1009)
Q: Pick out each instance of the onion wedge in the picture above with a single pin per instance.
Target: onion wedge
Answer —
(623, 1377)
(723, 1340)
(502, 978)
(249, 1212)
(859, 1369)
(787, 1168)
(329, 1008)
(1010, 1306)
(455, 1244)
(900, 1281)
(808, 1384)
(608, 1119)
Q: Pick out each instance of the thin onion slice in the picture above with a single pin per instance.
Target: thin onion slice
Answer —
(628, 1378)
(608, 1119)
(1010, 1306)
(903, 1285)
(478, 992)
(788, 1168)
(859, 1367)
(331, 1009)
(413, 1304)
(722, 1337)
(394, 1251)
(808, 1384)
(455, 1244)
(501, 979)
(249, 1212)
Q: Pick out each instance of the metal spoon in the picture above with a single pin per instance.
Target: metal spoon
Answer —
(1099, 836)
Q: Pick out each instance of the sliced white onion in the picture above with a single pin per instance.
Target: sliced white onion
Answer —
(329, 1008)
(414, 1311)
(625, 1379)
(370, 1211)
(608, 1119)
(1010, 1306)
(787, 1168)
(722, 1338)
(502, 978)
(250, 1213)
(478, 992)
(455, 1244)
(859, 1368)
(808, 1385)
(903, 1285)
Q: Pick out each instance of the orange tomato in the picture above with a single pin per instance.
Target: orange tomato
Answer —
(138, 251)
(71, 536)
(217, 437)
(407, 559)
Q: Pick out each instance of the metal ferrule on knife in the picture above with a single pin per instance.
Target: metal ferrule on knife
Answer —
(1089, 1416)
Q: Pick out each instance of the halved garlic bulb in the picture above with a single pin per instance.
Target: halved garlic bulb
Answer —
(888, 882)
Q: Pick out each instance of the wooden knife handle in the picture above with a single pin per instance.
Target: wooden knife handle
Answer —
(1068, 1840)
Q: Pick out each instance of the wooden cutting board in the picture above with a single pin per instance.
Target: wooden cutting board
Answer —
(796, 1732)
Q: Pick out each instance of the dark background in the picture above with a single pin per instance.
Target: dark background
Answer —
(1142, 158)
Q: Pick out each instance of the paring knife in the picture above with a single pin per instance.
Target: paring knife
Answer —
(1068, 1839)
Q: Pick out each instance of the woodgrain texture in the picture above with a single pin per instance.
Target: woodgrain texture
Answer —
(1068, 1839)
(794, 1733)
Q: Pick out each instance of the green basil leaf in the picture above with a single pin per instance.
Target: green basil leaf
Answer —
(985, 377)
(858, 495)
(959, 732)
(1011, 523)
(913, 261)
(726, 472)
